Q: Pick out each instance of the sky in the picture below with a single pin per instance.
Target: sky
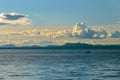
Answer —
(54, 21)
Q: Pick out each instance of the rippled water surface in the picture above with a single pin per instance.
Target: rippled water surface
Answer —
(46, 64)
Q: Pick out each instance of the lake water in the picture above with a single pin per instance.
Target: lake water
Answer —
(50, 64)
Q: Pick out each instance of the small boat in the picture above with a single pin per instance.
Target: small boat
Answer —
(87, 52)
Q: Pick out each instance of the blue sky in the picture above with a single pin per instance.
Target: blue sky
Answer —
(54, 22)
(65, 12)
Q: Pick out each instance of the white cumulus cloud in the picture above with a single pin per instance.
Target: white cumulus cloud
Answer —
(82, 31)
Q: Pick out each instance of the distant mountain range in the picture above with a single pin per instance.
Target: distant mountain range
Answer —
(65, 46)
(8, 45)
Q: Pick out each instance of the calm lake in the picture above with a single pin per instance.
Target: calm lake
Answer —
(55, 64)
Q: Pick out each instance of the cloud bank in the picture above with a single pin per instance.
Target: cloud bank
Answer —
(14, 19)
(80, 32)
